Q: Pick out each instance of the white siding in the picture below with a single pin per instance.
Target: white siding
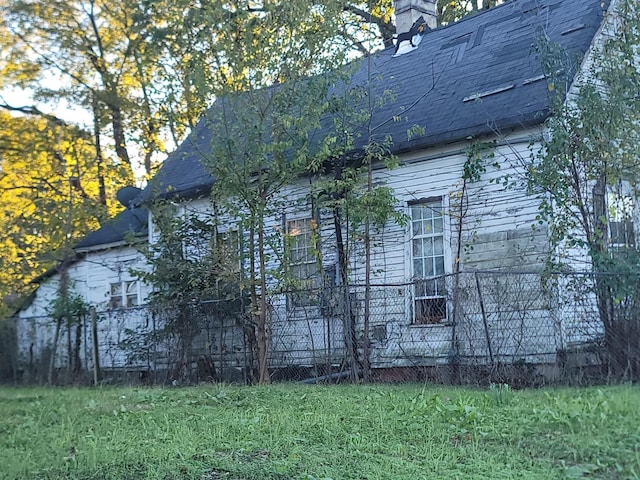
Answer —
(90, 278)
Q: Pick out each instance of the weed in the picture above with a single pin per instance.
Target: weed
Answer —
(500, 393)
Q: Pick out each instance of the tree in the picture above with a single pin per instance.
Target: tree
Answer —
(191, 262)
(449, 11)
(91, 55)
(267, 108)
(49, 191)
(587, 176)
(342, 183)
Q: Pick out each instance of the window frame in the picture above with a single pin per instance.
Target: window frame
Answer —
(128, 294)
(435, 305)
(306, 262)
(621, 213)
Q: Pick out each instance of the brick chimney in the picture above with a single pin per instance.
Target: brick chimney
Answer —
(408, 11)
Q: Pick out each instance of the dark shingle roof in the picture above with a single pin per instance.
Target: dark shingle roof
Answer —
(132, 221)
(468, 79)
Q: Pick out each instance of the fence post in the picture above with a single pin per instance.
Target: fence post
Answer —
(484, 318)
(94, 340)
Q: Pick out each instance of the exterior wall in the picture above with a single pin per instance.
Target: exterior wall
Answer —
(498, 229)
(494, 225)
(90, 278)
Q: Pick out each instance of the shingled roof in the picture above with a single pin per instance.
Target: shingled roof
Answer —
(465, 80)
(130, 222)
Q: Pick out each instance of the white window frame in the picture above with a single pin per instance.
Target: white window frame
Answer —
(428, 229)
(124, 294)
(302, 263)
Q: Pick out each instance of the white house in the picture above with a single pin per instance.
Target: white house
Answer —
(459, 282)
(101, 279)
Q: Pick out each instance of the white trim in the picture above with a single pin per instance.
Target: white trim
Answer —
(446, 253)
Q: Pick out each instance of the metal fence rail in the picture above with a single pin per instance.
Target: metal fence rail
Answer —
(473, 327)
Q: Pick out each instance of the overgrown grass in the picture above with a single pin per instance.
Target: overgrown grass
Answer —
(319, 432)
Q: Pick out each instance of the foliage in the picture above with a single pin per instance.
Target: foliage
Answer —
(592, 139)
(478, 155)
(49, 193)
(93, 55)
(267, 108)
(296, 432)
(449, 11)
(191, 261)
(586, 173)
(68, 307)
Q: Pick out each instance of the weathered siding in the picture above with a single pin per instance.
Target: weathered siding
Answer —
(90, 279)
(499, 230)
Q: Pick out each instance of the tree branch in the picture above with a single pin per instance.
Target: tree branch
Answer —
(32, 110)
(387, 29)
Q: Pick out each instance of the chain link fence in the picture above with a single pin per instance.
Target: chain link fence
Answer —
(469, 328)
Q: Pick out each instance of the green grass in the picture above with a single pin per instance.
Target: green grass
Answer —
(298, 432)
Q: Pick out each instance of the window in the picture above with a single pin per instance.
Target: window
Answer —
(621, 227)
(124, 294)
(427, 253)
(303, 265)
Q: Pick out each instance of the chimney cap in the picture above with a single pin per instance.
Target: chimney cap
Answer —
(408, 11)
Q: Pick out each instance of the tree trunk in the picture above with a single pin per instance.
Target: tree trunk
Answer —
(366, 345)
(69, 348)
(252, 328)
(348, 319)
(263, 373)
(54, 348)
(606, 285)
(95, 346)
(77, 365)
(102, 191)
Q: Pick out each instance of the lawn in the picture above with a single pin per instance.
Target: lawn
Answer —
(296, 432)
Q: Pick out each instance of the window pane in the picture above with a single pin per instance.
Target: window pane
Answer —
(116, 289)
(132, 300)
(428, 247)
(428, 227)
(428, 271)
(417, 248)
(115, 294)
(302, 263)
(428, 262)
(418, 271)
(417, 228)
(438, 246)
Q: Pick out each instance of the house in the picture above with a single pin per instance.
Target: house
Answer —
(460, 282)
(99, 279)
